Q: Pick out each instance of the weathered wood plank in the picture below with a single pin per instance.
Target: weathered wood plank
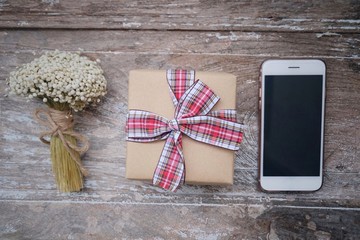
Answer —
(35, 220)
(107, 183)
(262, 44)
(280, 16)
(25, 168)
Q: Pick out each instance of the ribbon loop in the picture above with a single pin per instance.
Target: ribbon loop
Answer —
(199, 99)
(143, 126)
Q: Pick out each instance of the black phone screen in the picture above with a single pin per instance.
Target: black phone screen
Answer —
(292, 125)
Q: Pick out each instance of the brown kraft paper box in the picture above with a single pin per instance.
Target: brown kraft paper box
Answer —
(204, 164)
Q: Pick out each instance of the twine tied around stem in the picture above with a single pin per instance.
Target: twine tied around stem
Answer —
(61, 123)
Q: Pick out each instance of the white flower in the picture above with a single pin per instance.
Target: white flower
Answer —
(60, 77)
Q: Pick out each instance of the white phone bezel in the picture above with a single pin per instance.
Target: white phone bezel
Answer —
(291, 67)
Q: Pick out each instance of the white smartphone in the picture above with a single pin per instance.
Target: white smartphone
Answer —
(292, 104)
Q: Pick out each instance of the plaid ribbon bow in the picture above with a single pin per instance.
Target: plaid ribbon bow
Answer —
(193, 102)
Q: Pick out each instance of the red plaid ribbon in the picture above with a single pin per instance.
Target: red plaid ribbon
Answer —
(193, 102)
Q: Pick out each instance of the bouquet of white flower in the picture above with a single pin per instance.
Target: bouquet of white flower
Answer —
(65, 82)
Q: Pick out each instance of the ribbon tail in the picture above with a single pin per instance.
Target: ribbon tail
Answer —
(170, 171)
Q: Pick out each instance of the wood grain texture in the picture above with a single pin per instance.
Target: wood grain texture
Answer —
(231, 36)
(314, 16)
(30, 220)
(227, 43)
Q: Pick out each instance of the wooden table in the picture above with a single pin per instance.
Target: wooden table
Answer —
(230, 36)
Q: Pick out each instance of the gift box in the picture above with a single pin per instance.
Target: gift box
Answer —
(205, 164)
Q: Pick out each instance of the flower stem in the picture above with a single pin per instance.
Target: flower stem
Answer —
(67, 173)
